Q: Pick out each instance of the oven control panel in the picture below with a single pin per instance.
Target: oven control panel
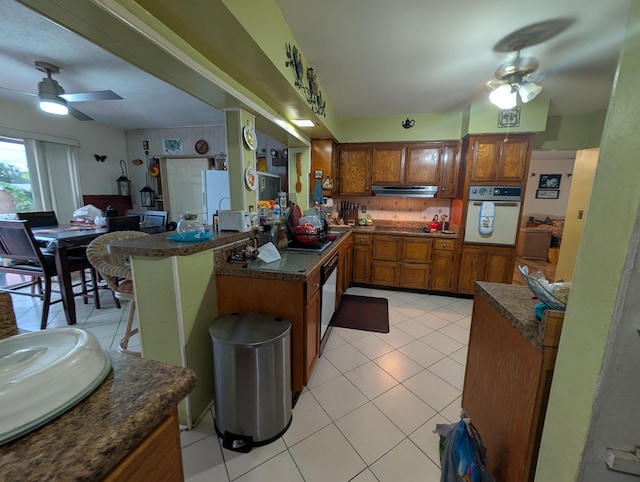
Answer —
(495, 193)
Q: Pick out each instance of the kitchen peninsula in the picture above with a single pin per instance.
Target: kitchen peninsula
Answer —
(510, 363)
(127, 429)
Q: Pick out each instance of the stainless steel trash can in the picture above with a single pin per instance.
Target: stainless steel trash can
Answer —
(252, 379)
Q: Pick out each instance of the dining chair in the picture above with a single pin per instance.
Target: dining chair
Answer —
(39, 219)
(26, 258)
(123, 223)
(117, 274)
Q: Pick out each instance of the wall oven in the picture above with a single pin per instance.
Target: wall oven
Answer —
(493, 215)
(328, 295)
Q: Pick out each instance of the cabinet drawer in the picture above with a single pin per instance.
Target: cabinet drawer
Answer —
(312, 286)
(362, 239)
(447, 244)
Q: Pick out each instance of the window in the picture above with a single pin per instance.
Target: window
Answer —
(16, 194)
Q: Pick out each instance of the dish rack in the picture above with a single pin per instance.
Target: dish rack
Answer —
(541, 292)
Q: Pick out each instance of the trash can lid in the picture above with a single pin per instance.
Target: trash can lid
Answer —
(250, 329)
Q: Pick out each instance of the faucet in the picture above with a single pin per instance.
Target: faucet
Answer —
(220, 203)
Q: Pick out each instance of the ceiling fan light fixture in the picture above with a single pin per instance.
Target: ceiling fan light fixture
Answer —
(529, 91)
(49, 101)
(503, 97)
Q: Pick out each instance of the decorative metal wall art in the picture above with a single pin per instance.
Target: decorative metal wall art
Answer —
(312, 93)
(409, 123)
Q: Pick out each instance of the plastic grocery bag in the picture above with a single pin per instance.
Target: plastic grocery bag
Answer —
(463, 457)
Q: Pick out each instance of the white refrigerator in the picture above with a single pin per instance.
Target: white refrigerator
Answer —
(216, 194)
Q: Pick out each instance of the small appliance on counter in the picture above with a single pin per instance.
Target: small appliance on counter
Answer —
(231, 220)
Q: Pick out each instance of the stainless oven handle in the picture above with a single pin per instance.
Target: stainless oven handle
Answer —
(498, 204)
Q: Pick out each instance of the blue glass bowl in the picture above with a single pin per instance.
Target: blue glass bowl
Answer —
(189, 237)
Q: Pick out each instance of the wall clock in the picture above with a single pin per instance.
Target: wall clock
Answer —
(202, 147)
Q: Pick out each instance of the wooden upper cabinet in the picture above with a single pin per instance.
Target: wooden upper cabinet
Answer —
(449, 167)
(422, 165)
(323, 158)
(499, 158)
(388, 165)
(354, 170)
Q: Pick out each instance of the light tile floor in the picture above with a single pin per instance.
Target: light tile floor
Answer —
(370, 408)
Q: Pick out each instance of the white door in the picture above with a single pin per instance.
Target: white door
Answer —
(184, 183)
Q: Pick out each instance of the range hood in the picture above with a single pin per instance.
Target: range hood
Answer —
(405, 191)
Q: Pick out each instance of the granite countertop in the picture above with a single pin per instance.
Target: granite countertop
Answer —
(515, 304)
(293, 265)
(405, 229)
(90, 439)
(158, 246)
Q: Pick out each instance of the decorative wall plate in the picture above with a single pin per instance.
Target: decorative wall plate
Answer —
(202, 147)
(327, 183)
(250, 137)
(250, 178)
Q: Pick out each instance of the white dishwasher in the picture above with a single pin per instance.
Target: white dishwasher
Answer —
(328, 295)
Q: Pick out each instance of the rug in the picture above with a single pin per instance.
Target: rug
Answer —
(362, 313)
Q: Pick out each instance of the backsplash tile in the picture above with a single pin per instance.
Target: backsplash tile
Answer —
(399, 209)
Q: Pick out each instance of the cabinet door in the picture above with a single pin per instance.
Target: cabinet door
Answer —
(485, 155)
(361, 263)
(355, 171)
(386, 248)
(323, 158)
(387, 165)
(513, 160)
(443, 265)
(414, 275)
(416, 250)
(423, 165)
(345, 267)
(485, 263)
(449, 167)
(311, 335)
(385, 273)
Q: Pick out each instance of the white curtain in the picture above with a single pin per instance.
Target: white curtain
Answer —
(55, 180)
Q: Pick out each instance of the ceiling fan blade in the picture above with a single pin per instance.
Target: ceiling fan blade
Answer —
(18, 91)
(89, 96)
(78, 115)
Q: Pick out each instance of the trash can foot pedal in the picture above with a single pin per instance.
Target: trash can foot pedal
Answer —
(238, 443)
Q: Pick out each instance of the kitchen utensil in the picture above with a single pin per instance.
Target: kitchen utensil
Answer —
(435, 224)
(298, 173)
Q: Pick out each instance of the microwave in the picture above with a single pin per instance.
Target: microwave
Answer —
(234, 221)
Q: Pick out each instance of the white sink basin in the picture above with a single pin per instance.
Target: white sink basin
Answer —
(45, 373)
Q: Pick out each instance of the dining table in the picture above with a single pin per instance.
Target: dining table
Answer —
(60, 239)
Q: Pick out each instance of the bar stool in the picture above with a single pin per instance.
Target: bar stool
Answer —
(117, 274)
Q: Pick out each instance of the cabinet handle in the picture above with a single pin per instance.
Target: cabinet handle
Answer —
(317, 285)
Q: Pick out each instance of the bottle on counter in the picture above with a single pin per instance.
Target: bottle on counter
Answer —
(276, 213)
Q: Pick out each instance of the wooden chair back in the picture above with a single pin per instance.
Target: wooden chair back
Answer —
(39, 219)
(123, 223)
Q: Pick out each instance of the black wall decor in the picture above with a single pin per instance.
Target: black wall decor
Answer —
(312, 93)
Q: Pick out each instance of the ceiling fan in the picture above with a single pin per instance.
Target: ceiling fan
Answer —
(53, 99)
(515, 77)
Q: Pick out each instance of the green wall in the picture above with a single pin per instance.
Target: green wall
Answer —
(599, 275)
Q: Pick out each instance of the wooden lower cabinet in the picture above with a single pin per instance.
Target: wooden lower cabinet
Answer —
(485, 263)
(401, 261)
(361, 258)
(157, 458)
(443, 272)
(345, 267)
(506, 389)
(291, 300)
(311, 326)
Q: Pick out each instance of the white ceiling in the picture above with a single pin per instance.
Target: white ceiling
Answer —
(372, 58)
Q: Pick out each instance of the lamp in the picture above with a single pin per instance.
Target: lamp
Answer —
(504, 97)
(511, 83)
(528, 91)
(124, 185)
(49, 92)
(147, 197)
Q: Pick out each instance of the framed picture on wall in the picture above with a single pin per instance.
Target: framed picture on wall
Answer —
(547, 193)
(549, 181)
